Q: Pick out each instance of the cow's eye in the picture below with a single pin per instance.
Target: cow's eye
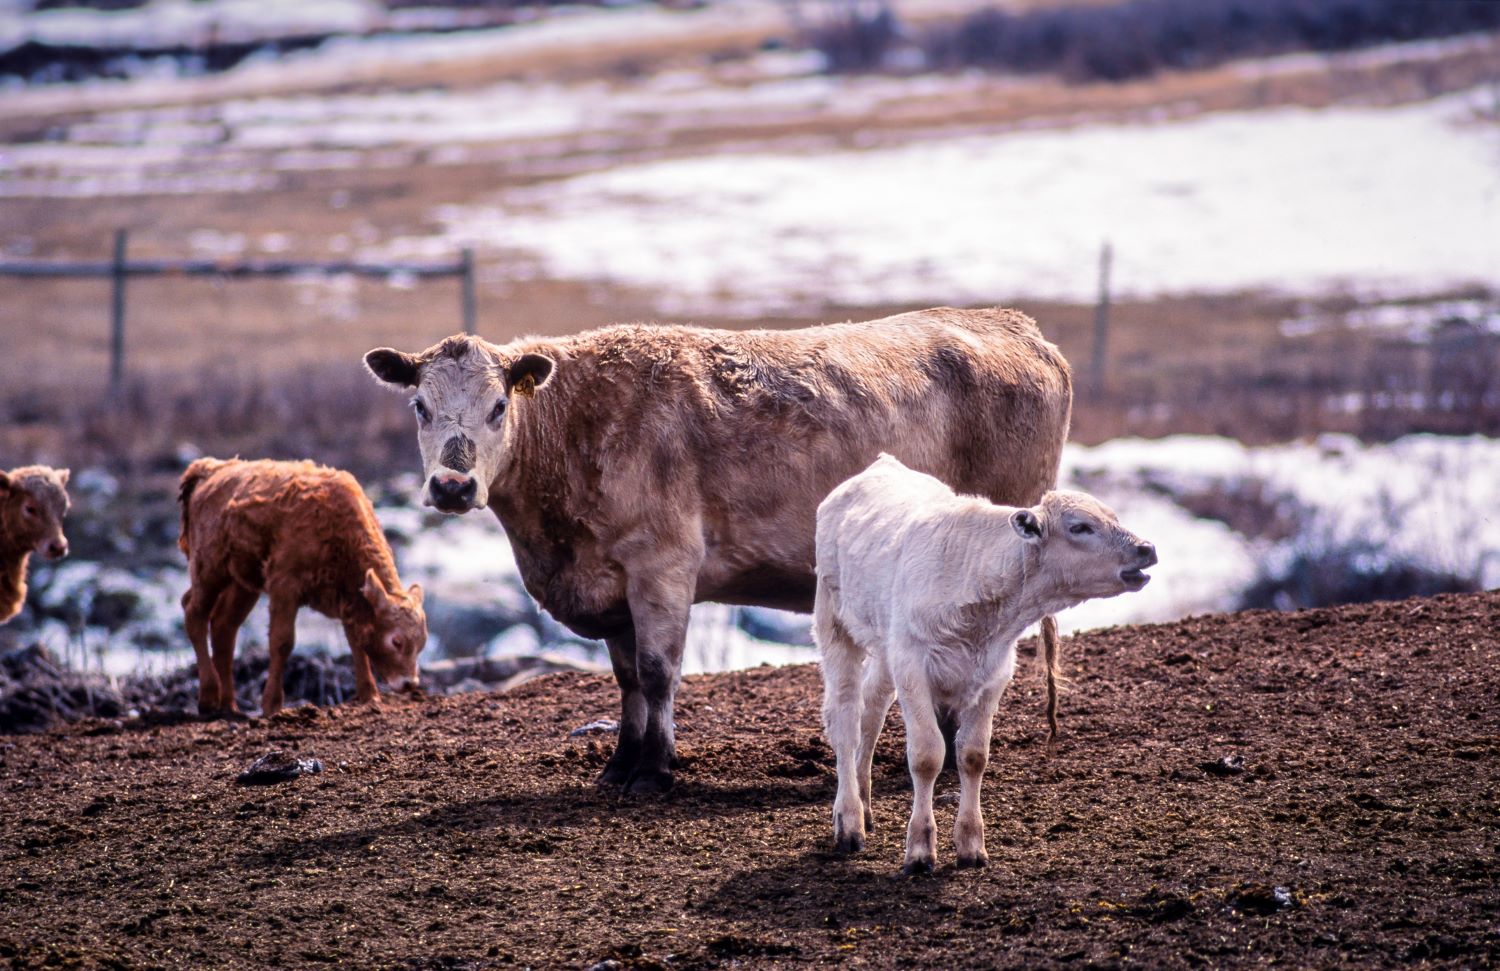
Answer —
(1080, 529)
(29, 510)
(397, 642)
(498, 410)
(423, 415)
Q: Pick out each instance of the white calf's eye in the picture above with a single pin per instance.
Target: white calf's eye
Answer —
(1080, 529)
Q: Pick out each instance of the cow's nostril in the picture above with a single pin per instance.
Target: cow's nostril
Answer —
(451, 489)
(1147, 552)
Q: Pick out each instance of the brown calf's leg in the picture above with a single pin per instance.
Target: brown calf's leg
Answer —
(197, 604)
(627, 755)
(283, 638)
(234, 605)
(366, 691)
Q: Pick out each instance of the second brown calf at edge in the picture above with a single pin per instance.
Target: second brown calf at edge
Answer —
(306, 535)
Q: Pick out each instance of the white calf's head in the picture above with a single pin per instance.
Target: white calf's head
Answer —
(1085, 552)
(462, 389)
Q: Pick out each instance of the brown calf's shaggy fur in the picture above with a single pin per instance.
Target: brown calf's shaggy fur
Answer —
(33, 502)
(307, 536)
(639, 469)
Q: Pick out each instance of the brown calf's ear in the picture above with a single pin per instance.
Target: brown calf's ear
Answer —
(1026, 525)
(528, 372)
(393, 367)
(415, 593)
(374, 591)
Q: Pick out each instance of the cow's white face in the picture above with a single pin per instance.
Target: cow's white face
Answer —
(1086, 553)
(461, 392)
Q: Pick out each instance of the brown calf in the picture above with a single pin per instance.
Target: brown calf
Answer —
(307, 536)
(637, 469)
(33, 501)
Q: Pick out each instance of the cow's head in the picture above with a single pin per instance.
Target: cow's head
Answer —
(462, 389)
(1085, 552)
(399, 631)
(33, 502)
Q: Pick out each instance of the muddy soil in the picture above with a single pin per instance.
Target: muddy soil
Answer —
(1309, 789)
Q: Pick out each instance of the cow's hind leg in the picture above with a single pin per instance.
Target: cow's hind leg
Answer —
(627, 755)
(659, 607)
(197, 606)
(234, 605)
(879, 694)
(843, 665)
(924, 757)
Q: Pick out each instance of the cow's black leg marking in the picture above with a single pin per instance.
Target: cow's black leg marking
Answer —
(627, 754)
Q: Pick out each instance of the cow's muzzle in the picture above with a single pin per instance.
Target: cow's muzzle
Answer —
(452, 492)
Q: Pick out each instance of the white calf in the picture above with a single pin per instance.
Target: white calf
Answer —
(922, 593)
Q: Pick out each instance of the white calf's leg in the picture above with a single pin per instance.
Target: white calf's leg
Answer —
(878, 695)
(972, 747)
(924, 756)
(843, 662)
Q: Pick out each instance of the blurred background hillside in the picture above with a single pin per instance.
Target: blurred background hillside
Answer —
(1265, 232)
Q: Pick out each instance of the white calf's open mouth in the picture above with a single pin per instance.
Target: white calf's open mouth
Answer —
(1135, 578)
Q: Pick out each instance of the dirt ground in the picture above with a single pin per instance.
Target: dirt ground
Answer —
(465, 832)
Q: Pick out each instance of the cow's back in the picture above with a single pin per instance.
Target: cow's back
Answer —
(977, 399)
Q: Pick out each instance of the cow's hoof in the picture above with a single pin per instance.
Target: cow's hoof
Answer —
(973, 862)
(614, 775)
(845, 841)
(921, 866)
(644, 783)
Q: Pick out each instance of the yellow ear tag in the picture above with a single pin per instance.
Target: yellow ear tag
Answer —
(526, 386)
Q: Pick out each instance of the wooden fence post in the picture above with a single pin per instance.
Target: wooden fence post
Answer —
(466, 265)
(1097, 363)
(117, 316)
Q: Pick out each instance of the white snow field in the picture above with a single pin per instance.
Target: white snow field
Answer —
(1377, 200)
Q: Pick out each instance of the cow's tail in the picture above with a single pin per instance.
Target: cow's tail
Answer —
(199, 470)
(1053, 667)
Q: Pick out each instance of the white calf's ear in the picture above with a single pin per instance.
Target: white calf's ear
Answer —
(393, 367)
(528, 372)
(1026, 525)
(374, 590)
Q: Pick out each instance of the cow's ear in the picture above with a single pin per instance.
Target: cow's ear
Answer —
(4, 482)
(374, 591)
(62, 475)
(1026, 525)
(528, 372)
(393, 367)
(414, 594)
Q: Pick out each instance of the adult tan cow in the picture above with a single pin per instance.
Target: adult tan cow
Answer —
(640, 469)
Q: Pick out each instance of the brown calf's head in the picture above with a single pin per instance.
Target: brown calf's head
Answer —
(400, 630)
(1085, 552)
(33, 502)
(462, 389)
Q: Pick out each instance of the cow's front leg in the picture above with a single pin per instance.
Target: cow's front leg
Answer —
(659, 607)
(627, 755)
